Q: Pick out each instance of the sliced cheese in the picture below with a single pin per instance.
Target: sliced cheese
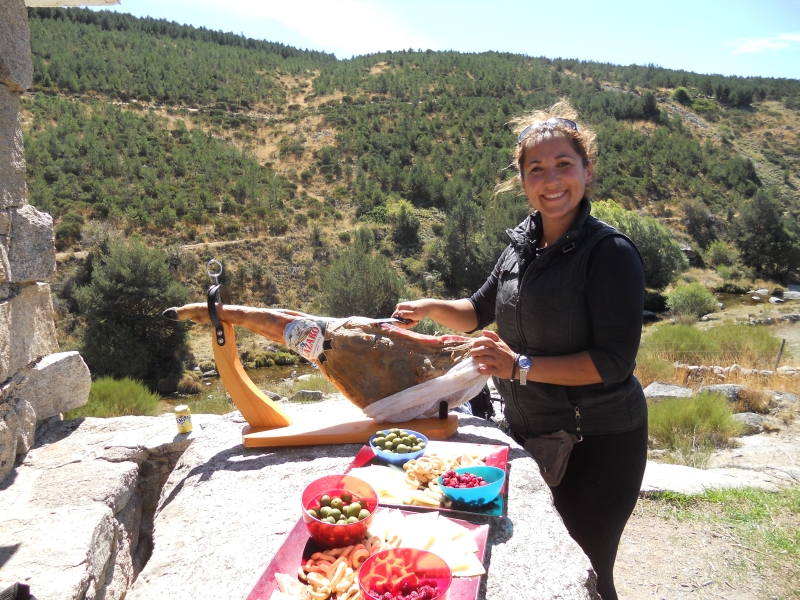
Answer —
(469, 566)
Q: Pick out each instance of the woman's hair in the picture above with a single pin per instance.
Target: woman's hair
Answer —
(546, 124)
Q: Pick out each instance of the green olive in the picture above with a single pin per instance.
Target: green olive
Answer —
(352, 519)
(336, 514)
(403, 449)
(363, 514)
(396, 443)
(415, 448)
(337, 503)
(422, 445)
(325, 512)
(391, 436)
(330, 520)
(314, 514)
(379, 442)
(346, 497)
(325, 500)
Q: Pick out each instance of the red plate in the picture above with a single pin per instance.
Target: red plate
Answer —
(496, 456)
(298, 547)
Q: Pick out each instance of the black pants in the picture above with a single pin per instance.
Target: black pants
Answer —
(598, 494)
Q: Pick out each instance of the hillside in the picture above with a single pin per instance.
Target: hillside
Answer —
(189, 138)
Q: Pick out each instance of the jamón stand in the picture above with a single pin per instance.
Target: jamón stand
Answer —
(268, 424)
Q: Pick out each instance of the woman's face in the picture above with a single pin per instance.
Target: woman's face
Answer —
(554, 179)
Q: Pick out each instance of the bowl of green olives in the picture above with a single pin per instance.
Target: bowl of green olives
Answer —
(338, 510)
(398, 446)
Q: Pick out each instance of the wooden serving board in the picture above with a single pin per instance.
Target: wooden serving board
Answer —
(327, 429)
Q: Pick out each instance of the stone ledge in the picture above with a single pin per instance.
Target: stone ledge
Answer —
(74, 513)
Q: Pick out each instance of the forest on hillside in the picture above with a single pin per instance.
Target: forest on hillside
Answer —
(184, 135)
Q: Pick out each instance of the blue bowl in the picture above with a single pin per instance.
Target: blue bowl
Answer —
(477, 496)
(393, 458)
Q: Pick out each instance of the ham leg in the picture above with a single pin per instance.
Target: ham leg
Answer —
(366, 361)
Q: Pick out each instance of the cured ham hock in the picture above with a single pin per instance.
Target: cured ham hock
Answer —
(365, 360)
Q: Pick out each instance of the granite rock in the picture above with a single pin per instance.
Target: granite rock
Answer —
(205, 543)
(57, 383)
(680, 479)
(27, 425)
(71, 524)
(659, 390)
(732, 391)
(31, 245)
(27, 331)
(13, 190)
(307, 396)
(9, 425)
(16, 68)
(753, 423)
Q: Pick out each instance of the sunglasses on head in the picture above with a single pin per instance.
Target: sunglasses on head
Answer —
(550, 122)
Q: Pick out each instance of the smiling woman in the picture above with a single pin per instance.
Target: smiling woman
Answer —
(567, 297)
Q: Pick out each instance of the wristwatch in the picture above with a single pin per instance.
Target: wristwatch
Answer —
(524, 366)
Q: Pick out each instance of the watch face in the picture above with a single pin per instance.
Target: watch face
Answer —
(524, 362)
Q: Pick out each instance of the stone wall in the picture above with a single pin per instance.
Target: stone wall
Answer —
(36, 383)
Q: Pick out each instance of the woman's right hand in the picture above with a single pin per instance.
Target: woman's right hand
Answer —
(414, 311)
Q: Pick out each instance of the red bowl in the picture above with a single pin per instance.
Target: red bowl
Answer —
(336, 536)
(419, 566)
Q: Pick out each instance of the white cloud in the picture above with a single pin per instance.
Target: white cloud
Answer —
(777, 42)
(356, 26)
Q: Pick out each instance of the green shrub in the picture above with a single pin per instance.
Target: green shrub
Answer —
(663, 258)
(190, 383)
(285, 358)
(681, 95)
(125, 334)
(720, 253)
(692, 300)
(692, 427)
(111, 397)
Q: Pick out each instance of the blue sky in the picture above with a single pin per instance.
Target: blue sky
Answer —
(731, 37)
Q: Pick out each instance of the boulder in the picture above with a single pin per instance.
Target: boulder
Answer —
(226, 510)
(75, 516)
(791, 295)
(57, 383)
(731, 391)
(776, 300)
(307, 396)
(272, 395)
(27, 331)
(16, 68)
(26, 429)
(13, 190)
(680, 479)
(753, 423)
(658, 390)
(31, 245)
(9, 425)
(783, 399)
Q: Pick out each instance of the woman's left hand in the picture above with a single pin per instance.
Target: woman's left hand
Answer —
(493, 356)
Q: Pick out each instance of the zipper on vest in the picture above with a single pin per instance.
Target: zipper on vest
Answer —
(577, 419)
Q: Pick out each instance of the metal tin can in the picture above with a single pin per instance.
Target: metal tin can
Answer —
(183, 416)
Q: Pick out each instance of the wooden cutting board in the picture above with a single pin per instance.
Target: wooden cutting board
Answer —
(326, 429)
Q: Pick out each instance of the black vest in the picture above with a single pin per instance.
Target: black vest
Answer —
(544, 312)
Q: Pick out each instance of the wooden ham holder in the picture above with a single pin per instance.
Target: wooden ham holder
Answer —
(269, 425)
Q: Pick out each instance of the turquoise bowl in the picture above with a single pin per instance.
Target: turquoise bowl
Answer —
(392, 457)
(477, 496)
